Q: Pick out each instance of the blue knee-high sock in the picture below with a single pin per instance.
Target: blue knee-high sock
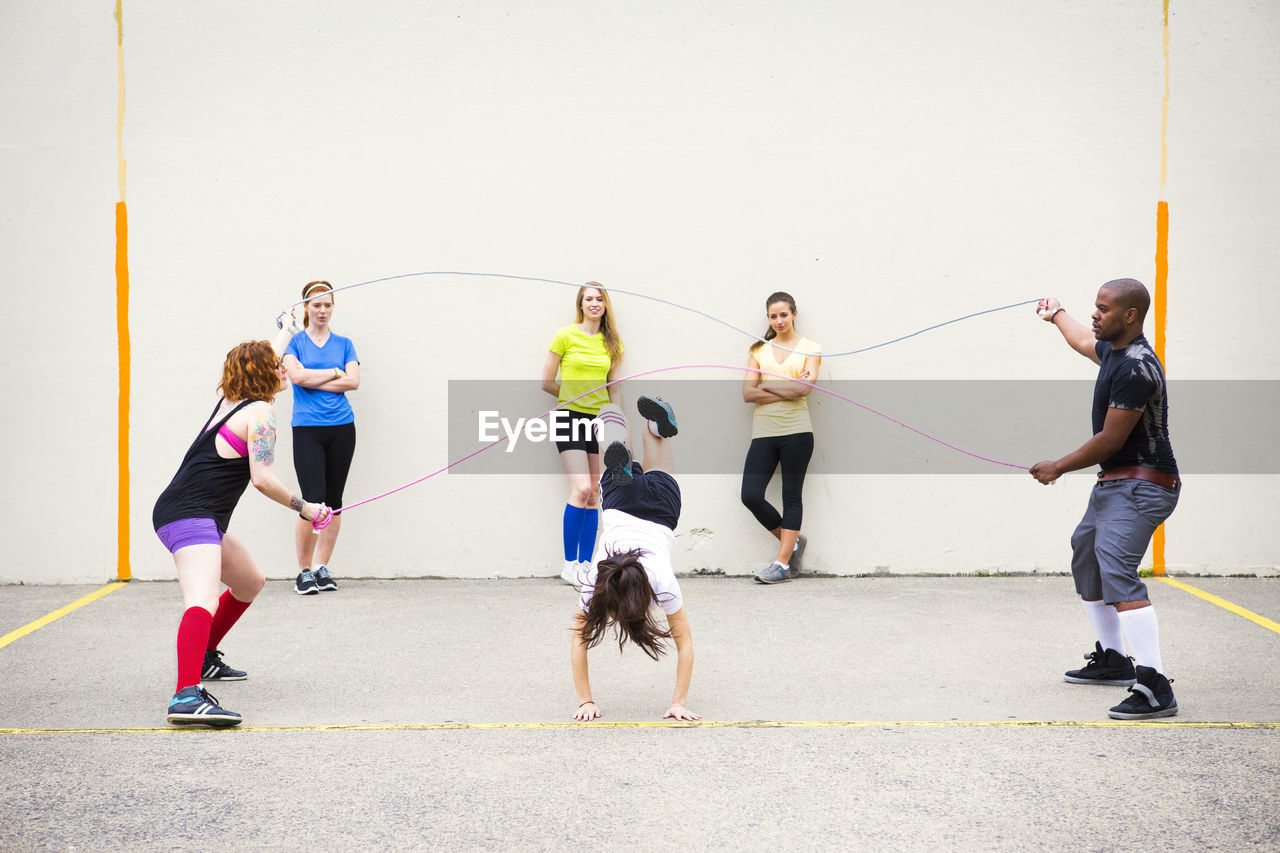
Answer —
(573, 522)
(587, 540)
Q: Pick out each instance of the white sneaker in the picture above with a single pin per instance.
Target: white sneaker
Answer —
(569, 574)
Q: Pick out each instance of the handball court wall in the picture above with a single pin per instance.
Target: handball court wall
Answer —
(173, 173)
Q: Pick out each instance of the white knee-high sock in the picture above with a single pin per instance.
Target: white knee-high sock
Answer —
(1143, 633)
(611, 427)
(1106, 624)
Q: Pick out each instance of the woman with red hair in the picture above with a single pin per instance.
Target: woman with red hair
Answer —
(236, 446)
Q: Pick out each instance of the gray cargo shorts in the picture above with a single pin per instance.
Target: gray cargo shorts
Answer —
(1113, 536)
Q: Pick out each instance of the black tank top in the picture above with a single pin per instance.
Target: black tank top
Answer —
(206, 485)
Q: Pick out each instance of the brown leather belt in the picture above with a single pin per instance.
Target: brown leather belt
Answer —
(1151, 475)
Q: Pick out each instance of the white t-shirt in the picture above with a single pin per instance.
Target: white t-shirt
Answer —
(623, 532)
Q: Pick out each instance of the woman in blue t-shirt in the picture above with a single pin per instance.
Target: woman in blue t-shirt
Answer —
(322, 367)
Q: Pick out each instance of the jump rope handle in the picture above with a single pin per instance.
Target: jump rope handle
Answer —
(327, 515)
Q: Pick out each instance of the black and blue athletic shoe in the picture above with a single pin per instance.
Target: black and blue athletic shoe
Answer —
(617, 461)
(195, 706)
(660, 412)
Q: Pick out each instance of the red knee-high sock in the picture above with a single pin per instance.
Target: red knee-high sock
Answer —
(229, 610)
(193, 639)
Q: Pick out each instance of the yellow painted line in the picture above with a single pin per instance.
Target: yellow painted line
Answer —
(1224, 604)
(58, 614)
(656, 724)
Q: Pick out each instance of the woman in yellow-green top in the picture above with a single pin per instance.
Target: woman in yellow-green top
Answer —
(586, 354)
(781, 433)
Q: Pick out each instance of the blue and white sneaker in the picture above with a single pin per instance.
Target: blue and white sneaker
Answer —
(195, 706)
(658, 411)
(617, 461)
(775, 573)
(215, 670)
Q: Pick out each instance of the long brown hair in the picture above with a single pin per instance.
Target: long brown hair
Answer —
(769, 333)
(314, 288)
(622, 598)
(251, 372)
(612, 340)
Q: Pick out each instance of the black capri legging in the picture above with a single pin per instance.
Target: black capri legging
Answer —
(321, 459)
(793, 452)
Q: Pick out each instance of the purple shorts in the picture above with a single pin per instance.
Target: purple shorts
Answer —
(190, 531)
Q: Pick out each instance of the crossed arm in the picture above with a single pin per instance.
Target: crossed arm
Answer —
(754, 391)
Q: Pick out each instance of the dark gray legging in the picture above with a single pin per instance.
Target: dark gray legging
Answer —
(763, 457)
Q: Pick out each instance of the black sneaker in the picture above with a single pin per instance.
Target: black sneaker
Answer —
(660, 412)
(195, 706)
(617, 460)
(325, 581)
(215, 670)
(1103, 667)
(797, 555)
(306, 583)
(1150, 696)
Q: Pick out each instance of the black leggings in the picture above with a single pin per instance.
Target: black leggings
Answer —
(793, 451)
(321, 459)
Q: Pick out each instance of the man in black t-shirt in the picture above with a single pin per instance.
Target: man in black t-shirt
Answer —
(1137, 490)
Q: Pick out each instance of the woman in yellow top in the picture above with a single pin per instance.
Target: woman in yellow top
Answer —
(781, 433)
(586, 354)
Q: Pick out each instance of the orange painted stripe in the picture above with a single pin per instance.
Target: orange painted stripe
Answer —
(123, 569)
(1162, 313)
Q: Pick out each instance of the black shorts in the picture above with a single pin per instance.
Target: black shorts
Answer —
(652, 495)
(321, 459)
(578, 428)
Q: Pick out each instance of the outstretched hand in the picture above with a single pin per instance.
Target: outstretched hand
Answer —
(1047, 308)
(586, 712)
(680, 712)
(285, 320)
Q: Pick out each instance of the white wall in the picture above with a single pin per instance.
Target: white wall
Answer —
(891, 165)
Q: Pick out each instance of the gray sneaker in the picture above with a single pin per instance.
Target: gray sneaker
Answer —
(775, 573)
(798, 554)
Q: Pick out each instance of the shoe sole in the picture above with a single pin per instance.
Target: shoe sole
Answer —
(1107, 682)
(203, 720)
(244, 677)
(1145, 715)
(617, 459)
(306, 591)
(333, 587)
(771, 580)
(651, 410)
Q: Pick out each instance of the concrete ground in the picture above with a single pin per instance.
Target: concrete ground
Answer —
(901, 713)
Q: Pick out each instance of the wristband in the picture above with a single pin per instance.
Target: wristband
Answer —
(588, 702)
(1049, 319)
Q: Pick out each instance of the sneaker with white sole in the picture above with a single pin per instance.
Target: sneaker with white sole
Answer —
(569, 574)
(195, 706)
(306, 583)
(658, 411)
(1151, 696)
(324, 580)
(775, 573)
(215, 670)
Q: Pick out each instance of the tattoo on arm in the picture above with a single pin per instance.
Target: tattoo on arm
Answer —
(264, 440)
(295, 503)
